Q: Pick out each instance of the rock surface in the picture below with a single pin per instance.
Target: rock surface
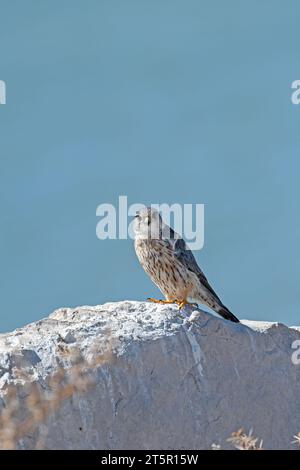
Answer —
(174, 381)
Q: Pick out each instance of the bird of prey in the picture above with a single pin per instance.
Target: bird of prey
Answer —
(171, 265)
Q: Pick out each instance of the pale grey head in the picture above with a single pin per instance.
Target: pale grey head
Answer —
(148, 224)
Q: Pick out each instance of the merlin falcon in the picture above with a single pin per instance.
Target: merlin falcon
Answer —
(171, 265)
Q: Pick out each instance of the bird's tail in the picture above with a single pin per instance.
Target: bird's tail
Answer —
(225, 313)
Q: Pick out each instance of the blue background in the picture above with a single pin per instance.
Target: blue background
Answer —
(163, 101)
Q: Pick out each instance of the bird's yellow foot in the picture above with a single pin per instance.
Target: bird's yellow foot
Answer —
(183, 303)
(159, 301)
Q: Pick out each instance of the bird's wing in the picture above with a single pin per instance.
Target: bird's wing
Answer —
(186, 257)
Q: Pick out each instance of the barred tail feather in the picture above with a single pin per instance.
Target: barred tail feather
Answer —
(225, 313)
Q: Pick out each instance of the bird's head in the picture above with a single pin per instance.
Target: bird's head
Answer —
(147, 223)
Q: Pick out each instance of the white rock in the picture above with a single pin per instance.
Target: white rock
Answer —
(174, 382)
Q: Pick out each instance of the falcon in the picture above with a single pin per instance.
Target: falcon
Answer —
(171, 265)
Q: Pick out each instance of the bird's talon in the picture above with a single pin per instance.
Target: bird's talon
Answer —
(155, 301)
(159, 301)
(183, 303)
